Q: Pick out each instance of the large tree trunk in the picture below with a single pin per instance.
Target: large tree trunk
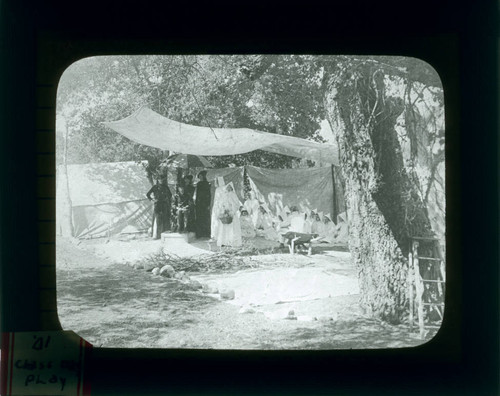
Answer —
(384, 206)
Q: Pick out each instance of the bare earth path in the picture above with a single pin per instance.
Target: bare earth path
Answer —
(112, 305)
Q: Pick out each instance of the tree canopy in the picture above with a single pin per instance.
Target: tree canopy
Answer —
(273, 94)
(277, 94)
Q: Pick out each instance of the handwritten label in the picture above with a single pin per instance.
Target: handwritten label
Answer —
(44, 363)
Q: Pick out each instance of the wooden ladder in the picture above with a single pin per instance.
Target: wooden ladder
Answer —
(427, 290)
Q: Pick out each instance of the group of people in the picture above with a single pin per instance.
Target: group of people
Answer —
(259, 220)
(230, 221)
(233, 221)
(188, 210)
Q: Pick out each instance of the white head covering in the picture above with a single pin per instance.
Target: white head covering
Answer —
(220, 181)
(232, 193)
(266, 208)
(230, 184)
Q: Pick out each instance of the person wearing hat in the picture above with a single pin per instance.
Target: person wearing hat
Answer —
(202, 206)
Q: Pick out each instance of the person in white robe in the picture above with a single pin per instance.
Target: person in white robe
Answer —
(283, 223)
(315, 223)
(219, 190)
(226, 209)
(297, 220)
(278, 207)
(342, 229)
(308, 215)
(247, 227)
(328, 230)
(266, 224)
(252, 204)
(284, 218)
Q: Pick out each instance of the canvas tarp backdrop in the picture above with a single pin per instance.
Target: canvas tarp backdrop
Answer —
(149, 128)
(312, 188)
(104, 198)
(110, 198)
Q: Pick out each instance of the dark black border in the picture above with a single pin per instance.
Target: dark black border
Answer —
(40, 39)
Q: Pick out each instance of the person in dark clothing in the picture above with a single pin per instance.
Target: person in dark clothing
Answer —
(202, 206)
(189, 189)
(162, 197)
(188, 186)
(184, 209)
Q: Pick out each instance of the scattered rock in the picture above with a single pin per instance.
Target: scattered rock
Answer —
(227, 294)
(156, 271)
(167, 271)
(195, 284)
(209, 289)
(138, 266)
(179, 275)
(291, 315)
(185, 278)
(305, 318)
(246, 310)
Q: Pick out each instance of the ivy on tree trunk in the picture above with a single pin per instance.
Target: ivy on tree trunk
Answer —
(384, 205)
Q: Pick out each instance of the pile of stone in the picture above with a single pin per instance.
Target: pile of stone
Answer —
(214, 262)
(168, 271)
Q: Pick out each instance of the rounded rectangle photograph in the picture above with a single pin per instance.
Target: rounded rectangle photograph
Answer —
(251, 202)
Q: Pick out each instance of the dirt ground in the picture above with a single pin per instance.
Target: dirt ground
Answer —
(110, 304)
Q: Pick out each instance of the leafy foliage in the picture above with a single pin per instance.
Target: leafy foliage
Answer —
(277, 94)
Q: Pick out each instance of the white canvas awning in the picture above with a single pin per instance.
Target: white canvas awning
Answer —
(149, 128)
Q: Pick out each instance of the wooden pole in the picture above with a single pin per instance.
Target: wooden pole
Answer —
(410, 289)
(419, 287)
(334, 208)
